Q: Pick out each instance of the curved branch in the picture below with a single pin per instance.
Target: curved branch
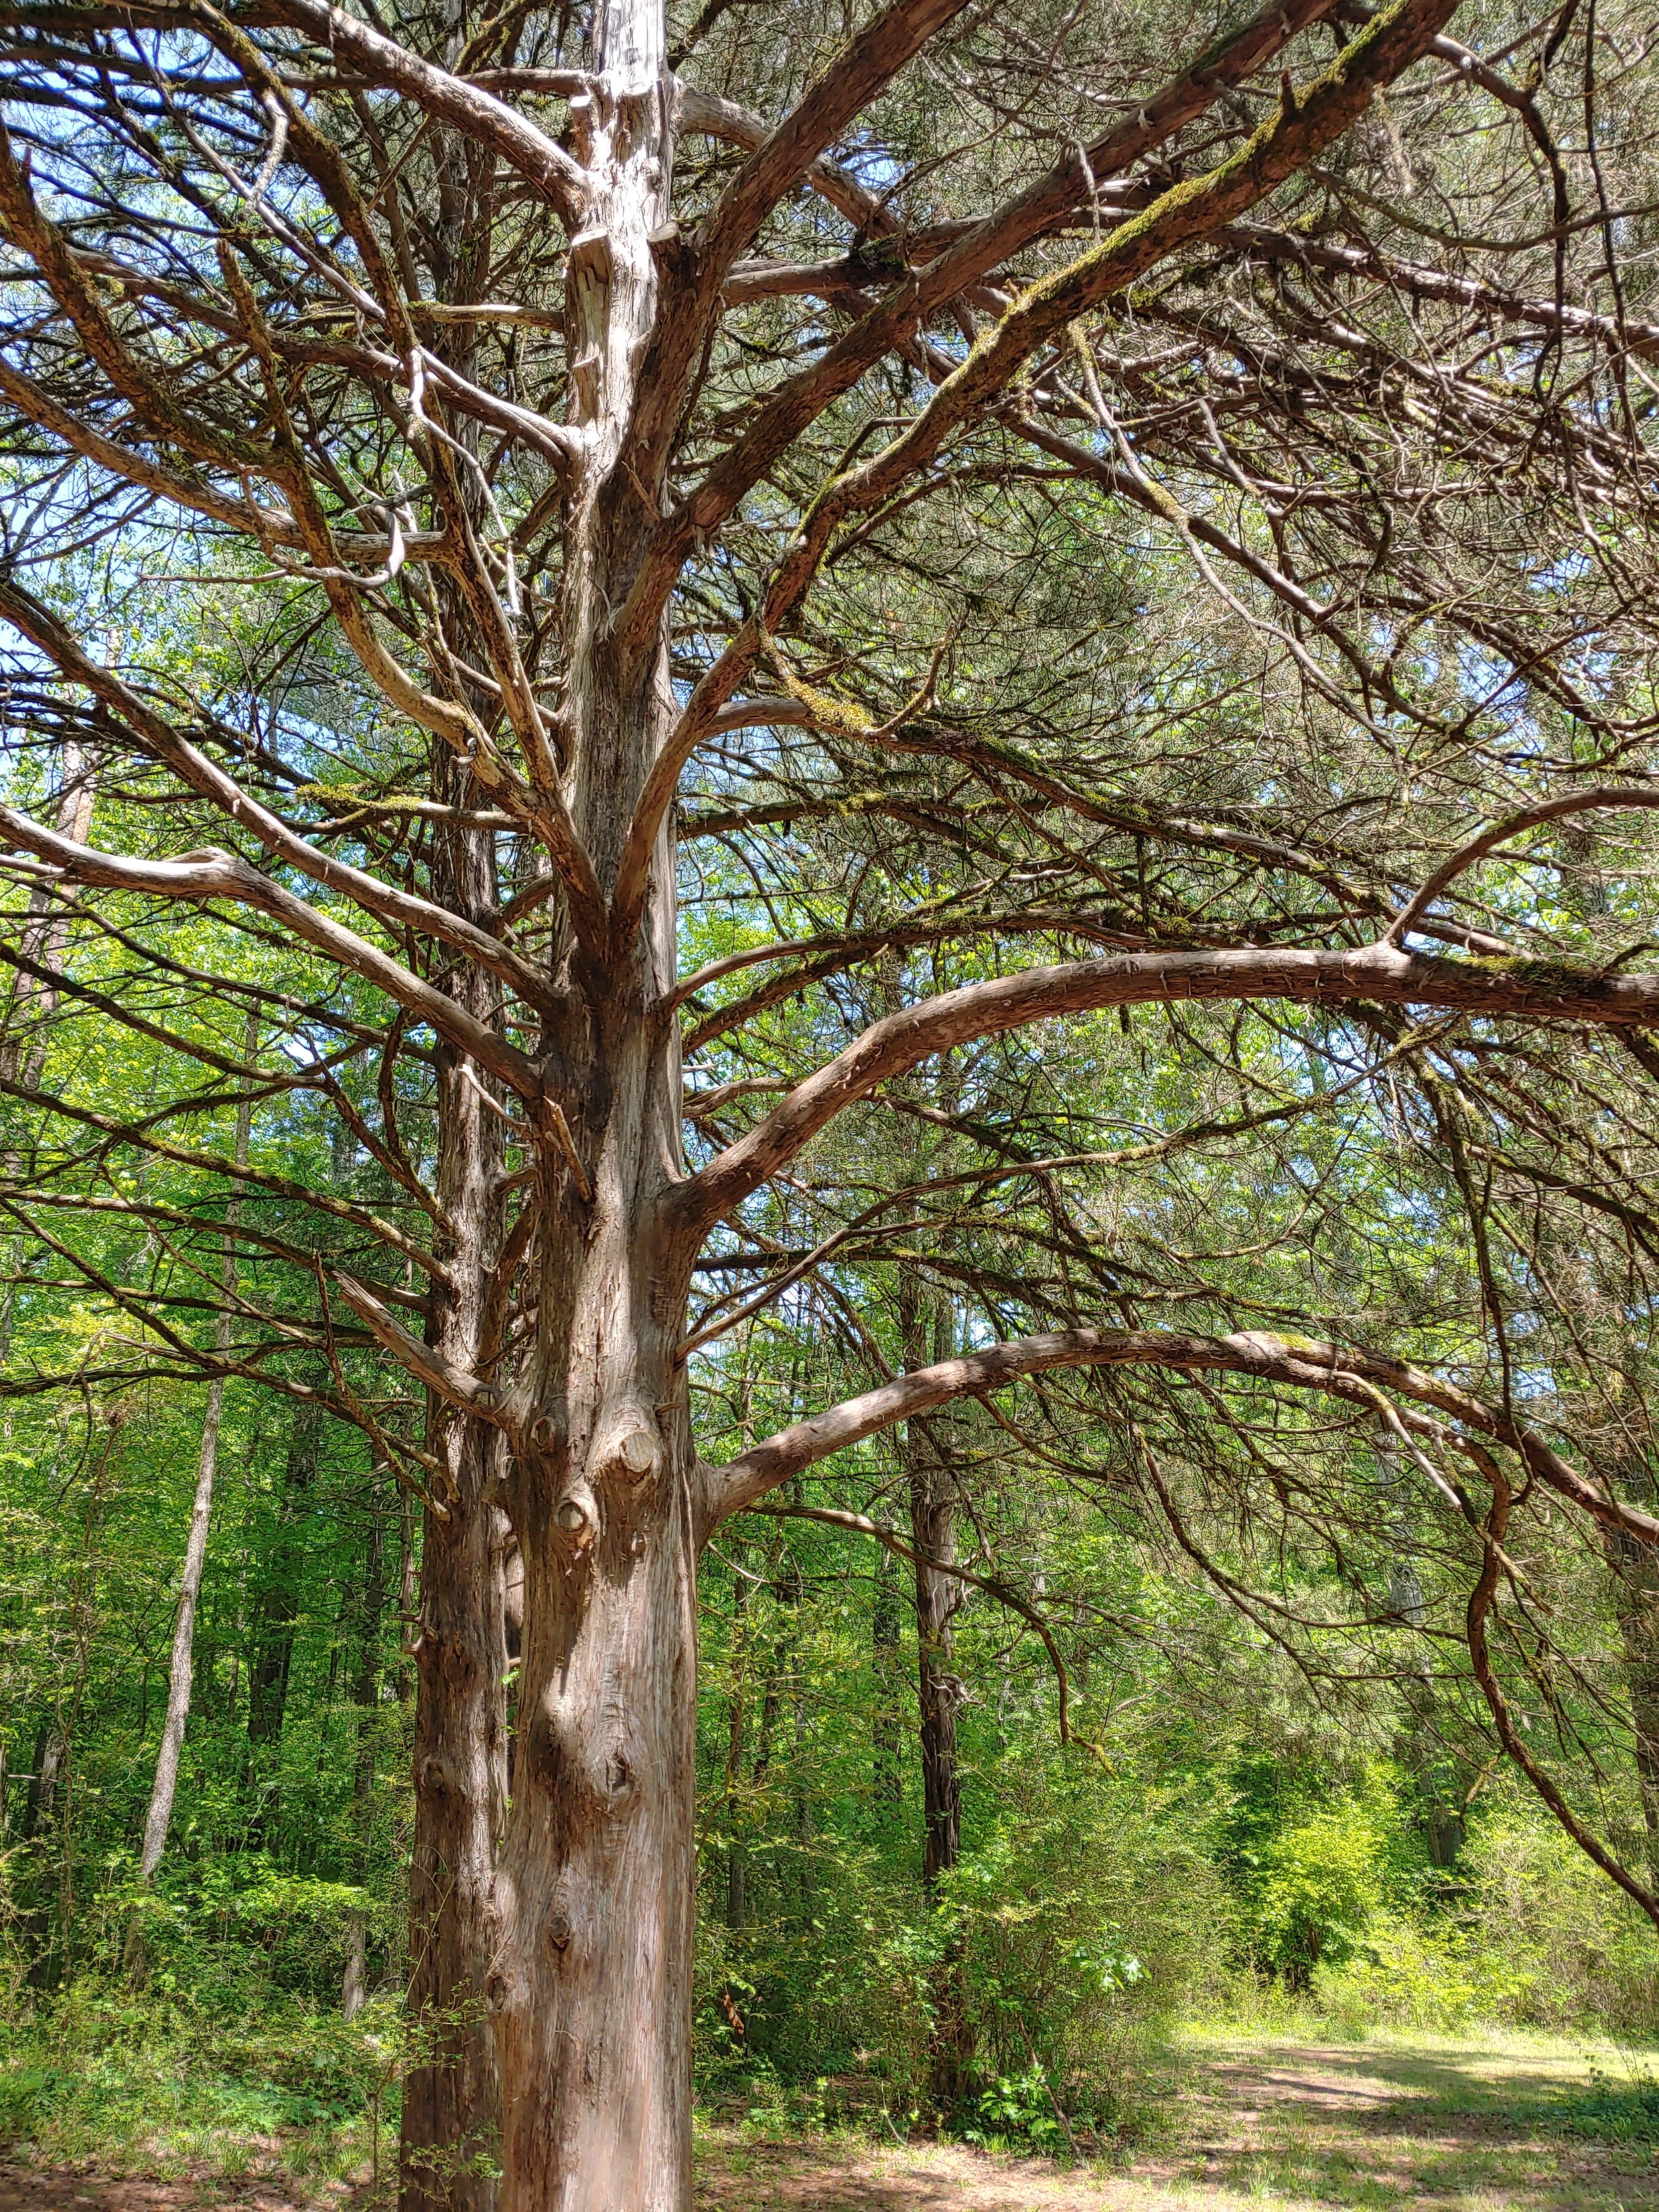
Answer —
(785, 155)
(209, 874)
(1494, 1531)
(1609, 796)
(1546, 990)
(1303, 1363)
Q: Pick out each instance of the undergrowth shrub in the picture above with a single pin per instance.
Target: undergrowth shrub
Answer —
(1524, 1932)
(148, 2082)
(1575, 1949)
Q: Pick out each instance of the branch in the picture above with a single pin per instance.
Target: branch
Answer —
(970, 259)
(782, 159)
(1416, 280)
(711, 116)
(856, 77)
(209, 874)
(386, 902)
(1306, 122)
(1546, 990)
(465, 105)
(138, 1133)
(1480, 1599)
(1364, 1378)
(426, 1365)
(861, 1525)
(1609, 796)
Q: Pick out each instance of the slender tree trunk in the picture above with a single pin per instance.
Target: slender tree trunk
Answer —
(40, 1799)
(366, 1698)
(887, 1621)
(1422, 1746)
(181, 1672)
(737, 1709)
(276, 1617)
(938, 1596)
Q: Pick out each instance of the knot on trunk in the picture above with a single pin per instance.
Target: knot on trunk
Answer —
(576, 1517)
(627, 1445)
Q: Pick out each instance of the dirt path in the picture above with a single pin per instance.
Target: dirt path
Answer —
(1418, 2127)
(1408, 2127)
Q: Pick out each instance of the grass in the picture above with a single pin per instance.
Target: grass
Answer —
(129, 2085)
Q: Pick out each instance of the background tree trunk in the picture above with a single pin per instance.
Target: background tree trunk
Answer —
(938, 1596)
(451, 2130)
(182, 1669)
(276, 1613)
(737, 1710)
(366, 1698)
(886, 1739)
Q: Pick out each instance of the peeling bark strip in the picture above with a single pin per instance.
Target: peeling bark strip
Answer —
(546, 621)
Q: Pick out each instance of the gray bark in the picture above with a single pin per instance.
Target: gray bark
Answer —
(366, 1698)
(181, 1672)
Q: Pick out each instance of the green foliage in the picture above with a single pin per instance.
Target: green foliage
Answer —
(1017, 2109)
(1577, 1950)
(1316, 1890)
(147, 2081)
(1614, 2109)
(211, 1925)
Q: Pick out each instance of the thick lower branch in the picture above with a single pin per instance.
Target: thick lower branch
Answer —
(1542, 990)
(1363, 1377)
(210, 873)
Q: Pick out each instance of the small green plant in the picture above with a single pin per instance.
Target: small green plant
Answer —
(1018, 2110)
(1611, 2110)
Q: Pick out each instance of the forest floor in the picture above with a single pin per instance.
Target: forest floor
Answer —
(1382, 2126)
(1390, 2124)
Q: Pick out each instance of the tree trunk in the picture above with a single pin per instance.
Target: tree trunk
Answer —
(1422, 1746)
(737, 1710)
(182, 1671)
(451, 2136)
(598, 1880)
(938, 1596)
(366, 1698)
(276, 1616)
(592, 1987)
(40, 1802)
(887, 1776)
(1635, 1603)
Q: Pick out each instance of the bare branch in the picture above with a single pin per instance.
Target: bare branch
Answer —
(1380, 973)
(210, 873)
(1340, 1371)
